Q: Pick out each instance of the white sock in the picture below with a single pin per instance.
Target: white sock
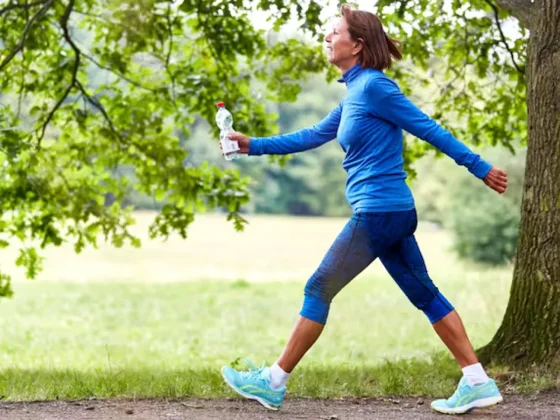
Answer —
(475, 374)
(278, 377)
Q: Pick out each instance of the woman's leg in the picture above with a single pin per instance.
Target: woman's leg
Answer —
(304, 334)
(406, 265)
(364, 238)
(348, 256)
(452, 332)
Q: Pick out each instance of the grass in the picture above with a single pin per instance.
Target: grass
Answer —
(413, 377)
(272, 248)
(152, 325)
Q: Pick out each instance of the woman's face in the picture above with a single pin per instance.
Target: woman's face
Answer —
(342, 50)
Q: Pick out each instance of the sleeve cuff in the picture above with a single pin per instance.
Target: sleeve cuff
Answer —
(256, 147)
(481, 169)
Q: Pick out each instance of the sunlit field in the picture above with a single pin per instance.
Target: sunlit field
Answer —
(163, 319)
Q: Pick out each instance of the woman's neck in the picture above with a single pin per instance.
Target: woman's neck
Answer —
(344, 67)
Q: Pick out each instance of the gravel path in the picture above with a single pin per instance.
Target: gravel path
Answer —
(544, 406)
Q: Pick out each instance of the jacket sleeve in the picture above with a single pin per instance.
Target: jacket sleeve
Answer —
(389, 103)
(298, 141)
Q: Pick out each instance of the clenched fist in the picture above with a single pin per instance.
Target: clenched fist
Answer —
(497, 180)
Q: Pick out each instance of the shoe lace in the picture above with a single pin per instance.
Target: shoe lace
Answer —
(254, 372)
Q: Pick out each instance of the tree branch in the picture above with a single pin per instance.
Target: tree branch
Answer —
(20, 97)
(25, 70)
(502, 36)
(20, 6)
(93, 101)
(28, 26)
(122, 76)
(203, 24)
(77, 84)
(99, 106)
(101, 66)
(168, 58)
(74, 81)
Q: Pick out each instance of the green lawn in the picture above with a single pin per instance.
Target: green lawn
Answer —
(154, 337)
(106, 339)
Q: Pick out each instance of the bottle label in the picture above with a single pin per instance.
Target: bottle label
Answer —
(229, 146)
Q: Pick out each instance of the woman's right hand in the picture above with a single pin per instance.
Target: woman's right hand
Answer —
(242, 140)
(497, 180)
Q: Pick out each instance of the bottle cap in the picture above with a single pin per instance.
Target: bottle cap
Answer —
(220, 104)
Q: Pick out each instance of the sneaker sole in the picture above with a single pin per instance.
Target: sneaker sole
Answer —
(482, 403)
(249, 396)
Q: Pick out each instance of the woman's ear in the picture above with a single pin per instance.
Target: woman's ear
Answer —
(358, 46)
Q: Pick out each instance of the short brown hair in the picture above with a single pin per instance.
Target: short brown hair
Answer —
(379, 49)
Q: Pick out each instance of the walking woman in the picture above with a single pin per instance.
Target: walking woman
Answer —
(368, 124)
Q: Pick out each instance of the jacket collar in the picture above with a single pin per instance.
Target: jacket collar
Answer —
(351, 74)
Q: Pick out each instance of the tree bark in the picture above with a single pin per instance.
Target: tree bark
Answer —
(530, 332)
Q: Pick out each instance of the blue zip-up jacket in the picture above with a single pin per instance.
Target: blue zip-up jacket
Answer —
(368, 124)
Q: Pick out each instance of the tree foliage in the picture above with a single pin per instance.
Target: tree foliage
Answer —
(160, 64)
(66, 136)
(478, 70)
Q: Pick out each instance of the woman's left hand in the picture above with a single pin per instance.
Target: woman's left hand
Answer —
(497, 180)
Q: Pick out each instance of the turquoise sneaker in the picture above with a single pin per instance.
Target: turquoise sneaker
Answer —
(467, 398)
(254, 384)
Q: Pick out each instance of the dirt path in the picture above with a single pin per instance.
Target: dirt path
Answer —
(545, 406)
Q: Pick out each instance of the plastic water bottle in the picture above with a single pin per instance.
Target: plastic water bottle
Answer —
(224, 120)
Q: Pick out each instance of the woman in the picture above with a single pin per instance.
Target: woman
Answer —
(368, 125)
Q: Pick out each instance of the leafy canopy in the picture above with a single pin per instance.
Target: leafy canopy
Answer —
(91, 87)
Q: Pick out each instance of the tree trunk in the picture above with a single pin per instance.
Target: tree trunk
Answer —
(530, 332)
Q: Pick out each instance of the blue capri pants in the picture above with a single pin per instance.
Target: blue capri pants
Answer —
(388, 236)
